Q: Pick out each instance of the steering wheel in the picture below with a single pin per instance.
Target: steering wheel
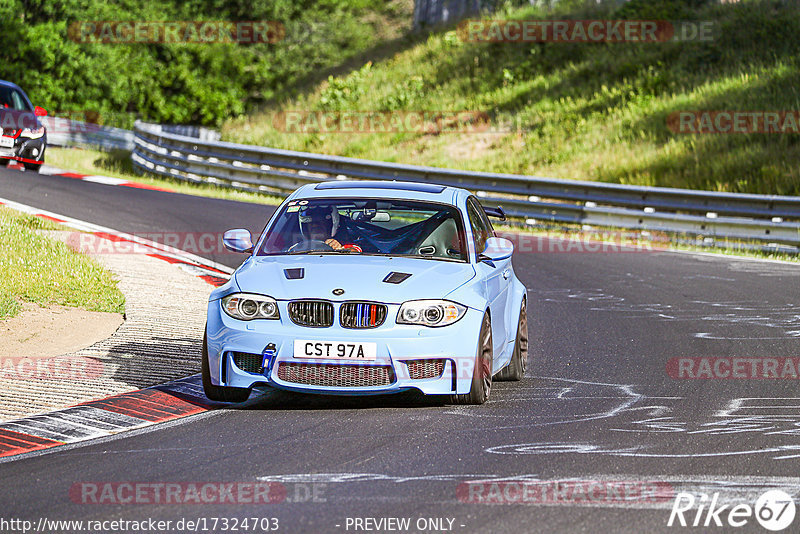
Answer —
(310, 246)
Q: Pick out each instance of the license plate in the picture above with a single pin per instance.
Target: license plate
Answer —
(6, 142)
(4, 153)
(335, 350)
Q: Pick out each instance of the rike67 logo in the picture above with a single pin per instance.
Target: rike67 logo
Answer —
(774, 510)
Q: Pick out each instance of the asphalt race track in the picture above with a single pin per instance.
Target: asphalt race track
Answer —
(598, 406)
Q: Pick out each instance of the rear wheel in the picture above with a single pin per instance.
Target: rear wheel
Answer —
(482, 374)
(515, 369)
(219, 393)
(4, 162)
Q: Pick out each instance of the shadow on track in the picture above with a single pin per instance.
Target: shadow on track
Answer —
(265, 398)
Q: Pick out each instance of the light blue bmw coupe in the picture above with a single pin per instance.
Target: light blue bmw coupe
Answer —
(369, 287)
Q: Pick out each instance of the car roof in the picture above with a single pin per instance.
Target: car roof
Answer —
(10, 84)
(381, 189)
(398, 186)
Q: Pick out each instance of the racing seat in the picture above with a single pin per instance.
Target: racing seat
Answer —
(442, 242)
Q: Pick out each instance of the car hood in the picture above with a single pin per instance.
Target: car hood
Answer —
(361, 277)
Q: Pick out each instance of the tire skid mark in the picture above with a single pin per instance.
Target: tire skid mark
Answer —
(649, 421)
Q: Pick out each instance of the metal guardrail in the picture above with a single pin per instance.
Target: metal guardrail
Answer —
(70, 133)
(195, 132)
(429, 13)
(764, 218)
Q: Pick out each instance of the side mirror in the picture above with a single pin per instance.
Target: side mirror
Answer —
(39, 111)
(238, 240)
(497, 249)
(497, 213)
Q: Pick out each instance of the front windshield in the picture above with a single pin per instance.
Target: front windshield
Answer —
(12, 99)
(367, 226)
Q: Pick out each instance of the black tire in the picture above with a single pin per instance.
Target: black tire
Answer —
(482, 374)
(33, 167)
(515, 370)
(4, 162)
(220, 393)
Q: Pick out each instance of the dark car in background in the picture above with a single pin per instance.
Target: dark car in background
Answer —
(24, 137)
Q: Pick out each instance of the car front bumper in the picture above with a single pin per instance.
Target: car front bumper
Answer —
(397, 346)
(25, 150)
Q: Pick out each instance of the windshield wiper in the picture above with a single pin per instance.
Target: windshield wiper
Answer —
(313, 252)
(427, 257)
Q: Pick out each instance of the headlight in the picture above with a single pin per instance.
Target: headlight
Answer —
(246, 307)
(430, 312)
(32, 134)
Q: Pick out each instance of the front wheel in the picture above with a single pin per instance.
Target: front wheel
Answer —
(482, 374)
(515, 369)
(219, 393)
(33, 167)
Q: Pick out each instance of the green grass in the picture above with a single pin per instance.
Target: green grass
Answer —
(117, 164)
(579, 111)
(43, 271)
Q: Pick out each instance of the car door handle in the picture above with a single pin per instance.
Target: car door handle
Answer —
(506, 274)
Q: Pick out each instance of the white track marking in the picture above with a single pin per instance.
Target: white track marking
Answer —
(78, 224)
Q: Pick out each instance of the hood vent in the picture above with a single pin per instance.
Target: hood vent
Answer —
(396, 278)
(294, 274)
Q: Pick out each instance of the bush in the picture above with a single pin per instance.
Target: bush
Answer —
(178, 83)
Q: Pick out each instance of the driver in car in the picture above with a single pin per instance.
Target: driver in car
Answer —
(319, 223)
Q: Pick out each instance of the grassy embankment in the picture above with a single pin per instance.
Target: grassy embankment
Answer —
(580, 111)
(40, 270)
(574, 111)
